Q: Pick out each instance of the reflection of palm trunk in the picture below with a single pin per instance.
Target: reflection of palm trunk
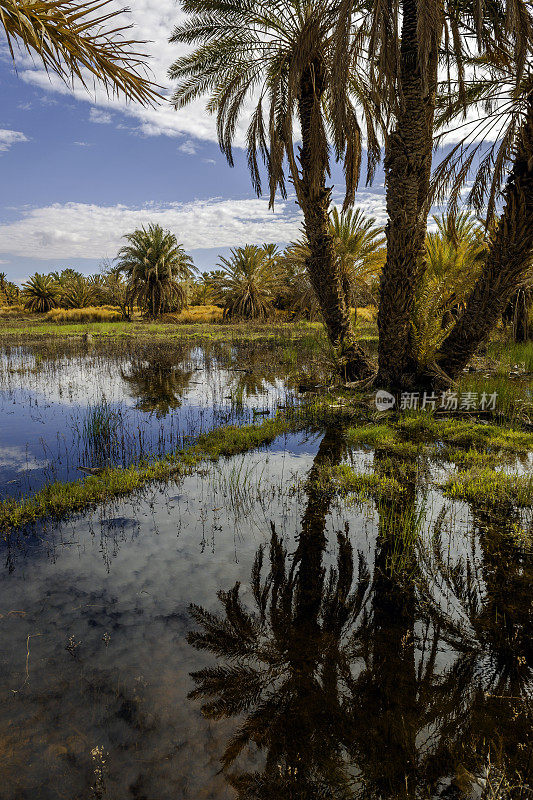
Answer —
(391, 685)
(314, 198)
(507, 618)
(507, 263)
(312, 539)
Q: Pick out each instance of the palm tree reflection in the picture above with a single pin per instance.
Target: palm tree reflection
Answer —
(158, 385)
(395, 684)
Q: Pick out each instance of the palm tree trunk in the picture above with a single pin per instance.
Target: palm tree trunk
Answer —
(408, 160)
(507, 264)
(521, 316)
(314, 199)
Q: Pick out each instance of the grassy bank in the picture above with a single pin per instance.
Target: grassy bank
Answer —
(59, 499)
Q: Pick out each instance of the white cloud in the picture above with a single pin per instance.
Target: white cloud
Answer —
(79, 230)
(83, 144)
(8, 138)
(99, 116)
(189, 147)
(82, 230)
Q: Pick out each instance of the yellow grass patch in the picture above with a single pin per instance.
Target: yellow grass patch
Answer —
(89, 314)
(197, 314)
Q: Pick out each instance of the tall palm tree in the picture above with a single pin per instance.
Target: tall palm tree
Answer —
(40, 293)
(248, 284)
(155, 266)
(75, 38)
(281, 55)
(407, 42)
(510, 257)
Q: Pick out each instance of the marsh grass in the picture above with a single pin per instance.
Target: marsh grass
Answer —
(443, 439)
(510, 355)
(89, 314)
(491, 489)
(58, 498)
(99, 432)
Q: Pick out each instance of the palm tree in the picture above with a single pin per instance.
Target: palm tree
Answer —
(407, 41)
(283, 54)
(77, 292)
(455, 254)
(155, 266)
(40, 293)
(508, 264)
(116, 291)
(359, 246)
(359, 249)
(249, 283)
(72, 38)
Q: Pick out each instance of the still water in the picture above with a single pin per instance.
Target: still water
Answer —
(91, 406)
(242, 633)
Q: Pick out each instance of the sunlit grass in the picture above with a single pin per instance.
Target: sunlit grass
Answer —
(90, 314)
(486, 487)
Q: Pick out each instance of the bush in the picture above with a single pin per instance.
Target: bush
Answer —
(90, 314)
(197, 314)
(12, 311)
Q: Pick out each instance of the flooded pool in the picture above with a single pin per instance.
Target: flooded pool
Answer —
(89, 406)
(246, 633)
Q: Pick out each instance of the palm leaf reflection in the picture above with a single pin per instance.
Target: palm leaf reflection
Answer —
(158, 385)
(289, 662)
(390, 685)
(485, 615)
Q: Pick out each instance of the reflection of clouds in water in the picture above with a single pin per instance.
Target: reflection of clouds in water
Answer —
(17, 458)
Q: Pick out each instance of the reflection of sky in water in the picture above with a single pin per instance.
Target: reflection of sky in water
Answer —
(46, 404)
(101, 603)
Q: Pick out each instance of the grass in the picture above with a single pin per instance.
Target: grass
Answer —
(59, 499)
(491, 489)
(197, 314)
(35, 327)
(446, 439)
(89, 314)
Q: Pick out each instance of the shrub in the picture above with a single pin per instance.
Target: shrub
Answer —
(199, 314)
(90, 314)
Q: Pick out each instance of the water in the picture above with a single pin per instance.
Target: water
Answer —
(92, 406)
(242, 633)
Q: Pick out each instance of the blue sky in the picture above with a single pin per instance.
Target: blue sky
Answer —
(79, 171)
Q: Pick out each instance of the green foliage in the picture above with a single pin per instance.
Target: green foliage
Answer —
(486, 487)
(359, 248)
(454, 258)
(155, 266)
(77, 292)
(40, 293)
(249, 282)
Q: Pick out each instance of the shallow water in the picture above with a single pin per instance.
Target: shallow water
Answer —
(363, 655)
(91, 406)
(242, 632)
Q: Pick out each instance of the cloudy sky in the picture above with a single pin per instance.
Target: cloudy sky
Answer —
(78, 170)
